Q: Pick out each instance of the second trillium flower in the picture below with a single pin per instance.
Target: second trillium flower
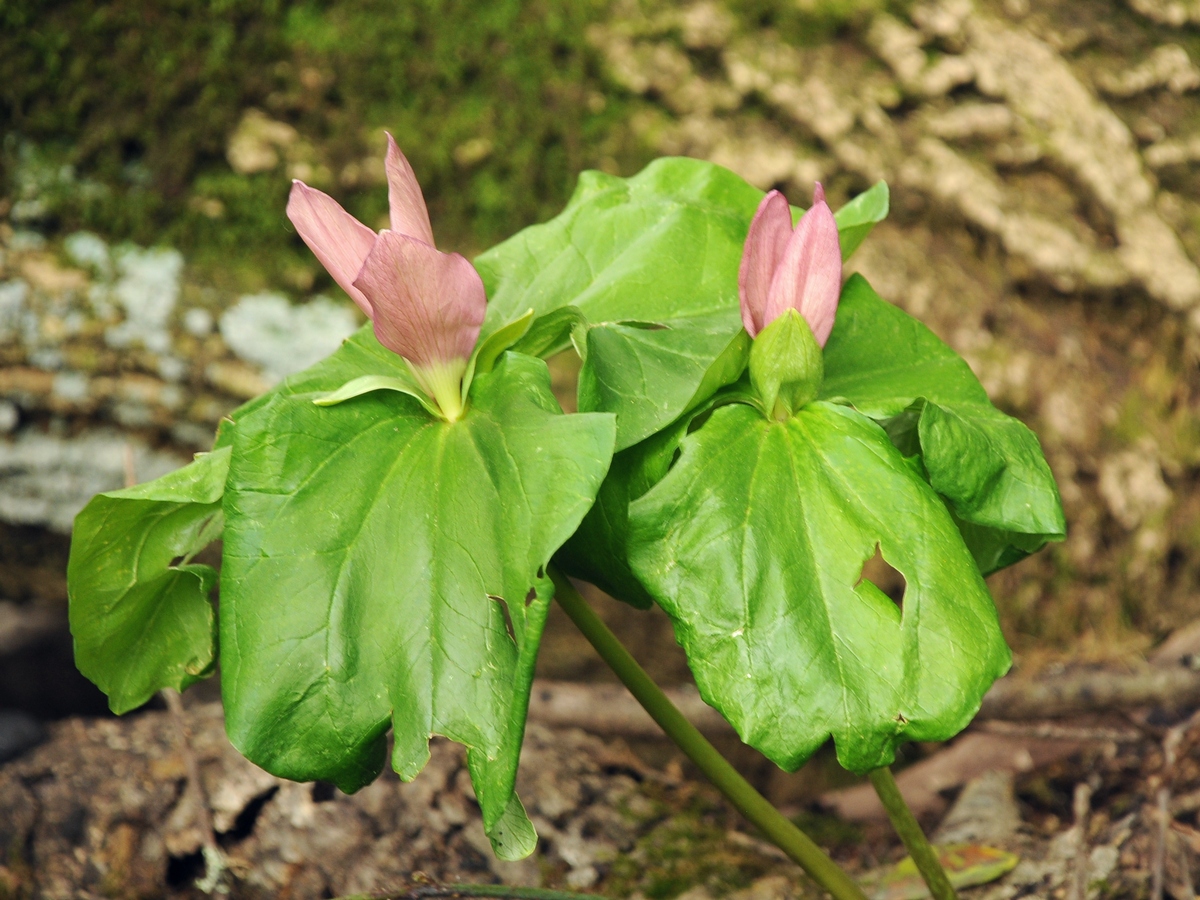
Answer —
(798, 269)
(425, 305)
(788, 284)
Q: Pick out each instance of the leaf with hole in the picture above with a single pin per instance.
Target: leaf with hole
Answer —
(754, 543)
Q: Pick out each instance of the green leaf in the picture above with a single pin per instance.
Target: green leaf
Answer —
(513, 837)
(856, 219)
(651, 374)
(661, 247)
(754, 544)
(596, 552)
(988, 466)
(384, 567)
(552, 332)
(139, 609)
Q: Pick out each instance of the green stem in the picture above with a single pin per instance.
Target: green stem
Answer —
(749, 802)
(906, 825)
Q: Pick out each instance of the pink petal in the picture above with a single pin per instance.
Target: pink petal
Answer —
(405, 200)
(765, 244)
(809, 278)
(428, 305)
(336, 238)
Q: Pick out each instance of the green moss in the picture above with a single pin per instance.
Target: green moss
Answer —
(128, 84)
(498, 106)
(811, 22)
(829, 831)
(689, 847)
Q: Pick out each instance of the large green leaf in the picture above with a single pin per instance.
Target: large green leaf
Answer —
(754, 543)
(383, 567)
(662, 248)
(988, 466)
(139, 608)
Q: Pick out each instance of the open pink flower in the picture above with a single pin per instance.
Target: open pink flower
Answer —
(425, 305)
(785, 269)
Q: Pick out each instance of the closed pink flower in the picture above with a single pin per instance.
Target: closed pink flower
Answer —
(426, 305)
(798, 269)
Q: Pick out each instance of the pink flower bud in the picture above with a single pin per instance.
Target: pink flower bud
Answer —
(797, 269)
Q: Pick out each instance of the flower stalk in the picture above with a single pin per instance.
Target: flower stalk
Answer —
(778, 829)
(905, 823)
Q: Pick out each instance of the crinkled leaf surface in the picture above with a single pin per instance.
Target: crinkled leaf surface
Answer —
(139, 610)
(754, 544)
(660, 248)
(383, 567)
(987, 465)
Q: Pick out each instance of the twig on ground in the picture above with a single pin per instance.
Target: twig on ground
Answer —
(1170, 744)
(215, 864)
(1082, 692)
(967, 758)
(24, 624)
(1059, 732)
(1082, 806)
(1170, 681)
(1187, 889)
(607, 709)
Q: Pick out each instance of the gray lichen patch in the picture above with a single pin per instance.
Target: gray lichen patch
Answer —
(105, 351)
(279, 338)
(49, 478)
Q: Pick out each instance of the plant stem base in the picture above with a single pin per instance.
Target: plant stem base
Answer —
(749, 802)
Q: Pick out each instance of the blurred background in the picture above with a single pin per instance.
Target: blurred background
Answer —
(1044, 160)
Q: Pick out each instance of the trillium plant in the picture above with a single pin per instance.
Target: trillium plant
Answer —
(752, 430)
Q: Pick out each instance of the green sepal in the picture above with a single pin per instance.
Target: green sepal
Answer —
(551, 333)
(139, 609)
(488, 350)
(367, 383)
(786, 365)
